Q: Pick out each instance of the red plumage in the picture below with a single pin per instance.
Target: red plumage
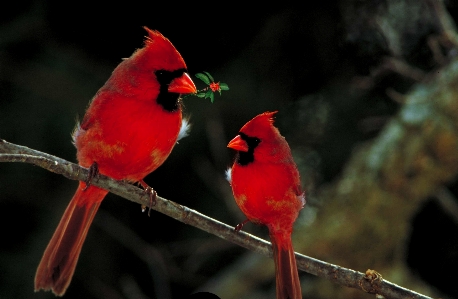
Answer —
(266, 185)
(129, 130)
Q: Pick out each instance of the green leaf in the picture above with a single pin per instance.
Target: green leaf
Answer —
(209, 93)
(209, 76)
(201, 95)
(223, 86)
(203, 77)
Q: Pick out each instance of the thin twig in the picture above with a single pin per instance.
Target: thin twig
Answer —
(370, 282)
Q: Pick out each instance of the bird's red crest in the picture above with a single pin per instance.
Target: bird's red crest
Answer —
(260, 123)
(154, 35)
(157, 45)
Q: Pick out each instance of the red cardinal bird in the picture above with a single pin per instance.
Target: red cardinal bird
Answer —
(266, 186)
(128, 131)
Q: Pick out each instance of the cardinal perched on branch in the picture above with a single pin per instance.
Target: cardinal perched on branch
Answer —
(266, 186)
(128, 131)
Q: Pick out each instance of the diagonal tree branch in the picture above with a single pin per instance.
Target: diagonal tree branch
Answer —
(370, 282)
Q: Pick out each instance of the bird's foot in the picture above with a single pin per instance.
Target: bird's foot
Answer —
(239, 226)
(93, 172)
(152, 196)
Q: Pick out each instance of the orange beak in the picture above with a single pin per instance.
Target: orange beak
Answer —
(182, 85)
(238, 144)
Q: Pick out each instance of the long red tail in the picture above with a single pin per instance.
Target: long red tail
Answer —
(287, 277)
(58, 263)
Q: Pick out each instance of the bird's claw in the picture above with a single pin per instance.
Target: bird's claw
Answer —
(152, 196)
(93, 171)
(239, 226)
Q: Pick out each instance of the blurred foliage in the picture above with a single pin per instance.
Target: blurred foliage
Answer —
(337, 71)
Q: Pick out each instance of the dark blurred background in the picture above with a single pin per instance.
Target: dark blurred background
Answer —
(337, 71)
